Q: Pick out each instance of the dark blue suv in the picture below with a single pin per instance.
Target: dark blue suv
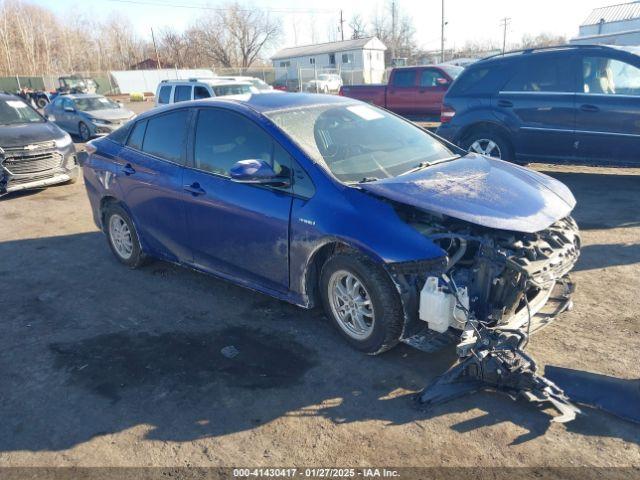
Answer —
(561, 104)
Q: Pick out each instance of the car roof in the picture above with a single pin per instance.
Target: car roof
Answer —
(9, 96)
(553, 50)
(208, 81)
(75, 96)
(262, 103)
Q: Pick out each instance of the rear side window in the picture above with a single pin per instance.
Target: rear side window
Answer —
(469, 79)
(166, 135)
(200, 92)
(182, 93)
(224, 138)
(543, 74)
(165, 94)
(404, 78)
(137, 135)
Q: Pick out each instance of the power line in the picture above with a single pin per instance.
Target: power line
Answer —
(221, 9)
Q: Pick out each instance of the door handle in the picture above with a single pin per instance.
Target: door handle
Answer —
(128, 169)
(505, 103)
(195, 189)
(589, 108)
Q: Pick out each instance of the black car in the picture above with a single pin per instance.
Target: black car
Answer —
(34, 152)
(561, 104)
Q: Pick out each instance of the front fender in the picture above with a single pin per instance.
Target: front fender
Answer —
(358, 220)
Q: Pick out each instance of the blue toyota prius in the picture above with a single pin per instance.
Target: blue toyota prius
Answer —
(318, 199)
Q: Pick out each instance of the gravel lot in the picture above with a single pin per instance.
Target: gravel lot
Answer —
(105, 366)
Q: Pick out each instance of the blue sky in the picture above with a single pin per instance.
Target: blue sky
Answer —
(468, 19)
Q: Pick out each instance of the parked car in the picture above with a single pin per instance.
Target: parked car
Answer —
(326, 200)
(259, 84)
(34, 152)
(560, 104)
(413, 92)
(173, 91)
(325, 83)
(87, 115)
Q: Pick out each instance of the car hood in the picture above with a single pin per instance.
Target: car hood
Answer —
(110, 114)
(27, 133)
(483, 191)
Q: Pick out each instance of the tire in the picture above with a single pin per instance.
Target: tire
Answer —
(83, 132)
(115, 214)
(41, 102)
(490, 143)
(386, 323)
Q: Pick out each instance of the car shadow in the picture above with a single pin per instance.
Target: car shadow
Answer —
(598, 256)
(90, 348)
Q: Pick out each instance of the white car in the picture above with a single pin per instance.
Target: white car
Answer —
(256, 82)
(173, 91)
(325, 83)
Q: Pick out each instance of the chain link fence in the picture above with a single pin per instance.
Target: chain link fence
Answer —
(293, 79)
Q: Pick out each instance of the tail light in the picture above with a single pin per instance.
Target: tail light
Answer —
(341, 92)
(447, 113)
(90, 148)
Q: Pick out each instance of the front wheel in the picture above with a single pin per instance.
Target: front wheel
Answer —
(362, 302)
(489, 143)
(41, 102)
(84, 132)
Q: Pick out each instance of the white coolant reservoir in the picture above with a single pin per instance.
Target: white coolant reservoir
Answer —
(434, 306)
(439, 309)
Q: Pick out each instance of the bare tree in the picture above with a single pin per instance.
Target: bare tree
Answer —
(174, 47)
(541, 40)
(358, 26)
(395, 29)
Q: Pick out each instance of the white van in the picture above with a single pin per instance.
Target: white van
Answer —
(173, 91)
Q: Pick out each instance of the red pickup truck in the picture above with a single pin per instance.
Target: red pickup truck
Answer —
(413, 92)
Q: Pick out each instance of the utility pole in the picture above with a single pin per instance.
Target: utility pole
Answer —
(155, 47)
(393, 31)
(341, 25)
(442, 35)
(505, 24)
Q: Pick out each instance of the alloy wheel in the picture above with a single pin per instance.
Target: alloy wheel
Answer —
(486, 146)
(120, 236)
(351, 304)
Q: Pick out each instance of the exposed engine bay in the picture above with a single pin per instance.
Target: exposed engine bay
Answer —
(495, 287)
(503, 274)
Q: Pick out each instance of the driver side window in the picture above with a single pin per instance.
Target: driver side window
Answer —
(607, 76)
(224, 138)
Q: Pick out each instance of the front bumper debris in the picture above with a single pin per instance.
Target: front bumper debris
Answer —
(497, 361)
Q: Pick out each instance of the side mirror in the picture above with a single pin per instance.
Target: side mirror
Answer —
(257, 172)
(69, 109)
(442, 82)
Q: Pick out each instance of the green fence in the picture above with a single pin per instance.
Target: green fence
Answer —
(12, 84)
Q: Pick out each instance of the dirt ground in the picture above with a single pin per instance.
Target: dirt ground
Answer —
(105, 366)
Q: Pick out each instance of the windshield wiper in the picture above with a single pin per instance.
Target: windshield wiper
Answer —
(422, 165)
(369, 179)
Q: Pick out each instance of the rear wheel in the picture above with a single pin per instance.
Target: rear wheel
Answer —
(41, 102)
(489, 143)
(122, 237)
(362, 302)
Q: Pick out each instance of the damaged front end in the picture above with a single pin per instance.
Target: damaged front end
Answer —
(494, 288)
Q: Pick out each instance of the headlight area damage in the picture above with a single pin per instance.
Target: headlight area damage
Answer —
(491, 291)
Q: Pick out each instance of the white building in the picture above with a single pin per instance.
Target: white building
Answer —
(612, 25)
(359, 60)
